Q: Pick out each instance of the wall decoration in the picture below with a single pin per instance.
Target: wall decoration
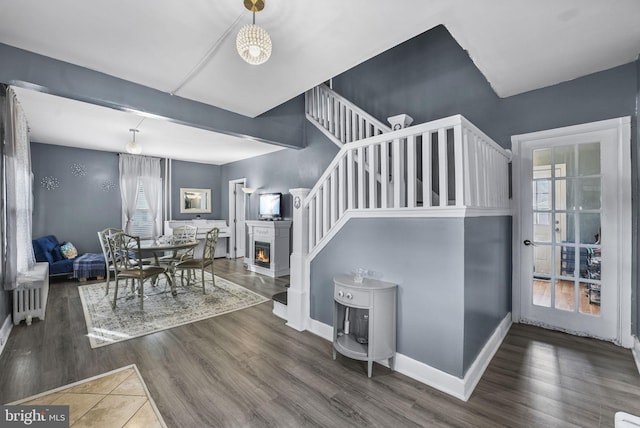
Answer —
(78, 169)
(108, 186)
(195, 200)
(50, 182)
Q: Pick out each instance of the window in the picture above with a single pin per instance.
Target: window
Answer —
(142, 222)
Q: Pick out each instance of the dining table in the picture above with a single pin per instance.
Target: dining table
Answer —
(157, 247)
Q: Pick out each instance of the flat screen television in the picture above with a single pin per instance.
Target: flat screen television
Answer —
(270, 206)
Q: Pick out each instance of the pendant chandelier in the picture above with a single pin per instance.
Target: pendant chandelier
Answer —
(253, 42)
(132, 146)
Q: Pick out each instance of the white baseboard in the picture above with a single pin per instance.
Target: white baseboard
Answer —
(445, 382)
(636, 352)
(5, 331)
(320, 329)
(280, 310)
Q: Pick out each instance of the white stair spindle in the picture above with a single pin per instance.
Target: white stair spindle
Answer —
(426, 170)
(443, 175)
(458, 165)
(373, 180)
(334, 196)
(361, 178)
(384, 174)
(411, 171)
(342, 185)
(350, 180)
(397, 176)
(312, 224)
(326, 207)
(319, 235)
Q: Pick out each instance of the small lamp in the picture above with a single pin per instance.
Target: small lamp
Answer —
(133, 147)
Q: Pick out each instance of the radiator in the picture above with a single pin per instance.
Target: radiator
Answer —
(30, 294)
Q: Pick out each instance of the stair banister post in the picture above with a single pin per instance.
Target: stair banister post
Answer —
(298, 291)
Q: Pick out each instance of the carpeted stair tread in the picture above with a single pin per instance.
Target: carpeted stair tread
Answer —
(280, 297)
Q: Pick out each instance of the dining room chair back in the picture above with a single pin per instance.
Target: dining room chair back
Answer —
(183, 235)
(108, 260)
(201, 264)
(127, 261)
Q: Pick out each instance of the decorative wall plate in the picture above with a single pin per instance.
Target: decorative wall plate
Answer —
(78, 169)
(49, 182)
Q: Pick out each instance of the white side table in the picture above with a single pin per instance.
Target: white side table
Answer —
(364, 319)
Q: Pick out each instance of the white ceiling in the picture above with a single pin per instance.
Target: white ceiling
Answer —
(188, 48)
(64, 122)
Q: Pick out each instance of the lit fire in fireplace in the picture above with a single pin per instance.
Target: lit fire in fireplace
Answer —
(262, 256)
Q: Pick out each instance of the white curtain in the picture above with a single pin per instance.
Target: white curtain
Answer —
(152, 184)
(144, 170)
(17, 183)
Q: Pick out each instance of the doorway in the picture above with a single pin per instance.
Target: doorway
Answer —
(237, 236)
(572, 229)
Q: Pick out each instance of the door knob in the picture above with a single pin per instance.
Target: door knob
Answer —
(528, 242)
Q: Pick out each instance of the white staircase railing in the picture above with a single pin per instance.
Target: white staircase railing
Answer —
(449, 158)
(339, 119)
(438, 168)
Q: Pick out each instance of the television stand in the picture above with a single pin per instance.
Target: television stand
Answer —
(269, 247)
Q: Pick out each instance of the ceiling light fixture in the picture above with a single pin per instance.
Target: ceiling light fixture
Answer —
(133, 147)
(253, 42)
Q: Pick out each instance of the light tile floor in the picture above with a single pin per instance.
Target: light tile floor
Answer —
(115, 399)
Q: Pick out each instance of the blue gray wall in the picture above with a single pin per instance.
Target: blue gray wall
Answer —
(431, 76)
(453, 276)
(280, 171)
(282, 125)
(200, 176)
(81, 205)
(425, 258)
(487, 280)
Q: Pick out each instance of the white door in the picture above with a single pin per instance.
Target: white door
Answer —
(573, 230)
(236, 218)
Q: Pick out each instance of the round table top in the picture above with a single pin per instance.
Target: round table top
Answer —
(151, 245)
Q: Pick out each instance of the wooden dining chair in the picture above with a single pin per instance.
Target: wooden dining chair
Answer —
(201, 264)
(108, 260)
(128, 264)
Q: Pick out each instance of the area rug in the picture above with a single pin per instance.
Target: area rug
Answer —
(162, 311)
(115, 399)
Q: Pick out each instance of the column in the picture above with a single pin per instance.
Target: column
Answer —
(298, 292)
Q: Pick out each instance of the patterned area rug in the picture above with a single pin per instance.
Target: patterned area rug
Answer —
(106, 326)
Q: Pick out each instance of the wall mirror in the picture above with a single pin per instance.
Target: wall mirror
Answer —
(195, 200)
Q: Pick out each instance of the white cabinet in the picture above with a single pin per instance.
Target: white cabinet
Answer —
(364, 319)
(203, 227)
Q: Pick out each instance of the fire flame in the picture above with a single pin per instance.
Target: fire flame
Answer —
(261, 256)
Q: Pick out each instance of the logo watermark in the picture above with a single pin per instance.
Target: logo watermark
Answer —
(34, 416)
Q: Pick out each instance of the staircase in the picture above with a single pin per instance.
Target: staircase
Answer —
(338, 118)
(446, 167)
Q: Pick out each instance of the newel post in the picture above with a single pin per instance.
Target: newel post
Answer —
(298, 292)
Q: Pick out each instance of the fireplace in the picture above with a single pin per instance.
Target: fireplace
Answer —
(268, 247)
(263, 254)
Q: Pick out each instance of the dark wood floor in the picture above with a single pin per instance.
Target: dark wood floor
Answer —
(248, 369)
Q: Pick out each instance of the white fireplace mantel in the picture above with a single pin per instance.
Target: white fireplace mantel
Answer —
(276, 234)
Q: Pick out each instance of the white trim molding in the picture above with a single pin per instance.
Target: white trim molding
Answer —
(5, 331)
(460, 388)
(636, 353)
